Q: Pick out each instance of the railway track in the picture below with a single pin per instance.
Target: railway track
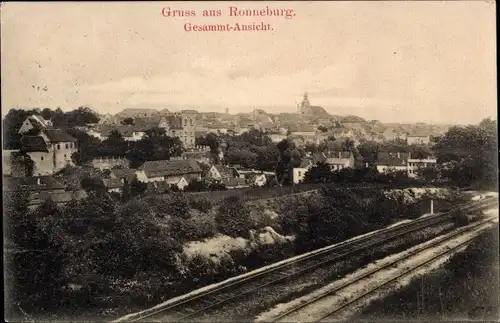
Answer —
(188, 308)
(286, 316)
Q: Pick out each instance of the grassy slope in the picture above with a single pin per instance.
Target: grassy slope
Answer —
(467, 287)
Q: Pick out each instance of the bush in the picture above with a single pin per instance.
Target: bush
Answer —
(233, 218)
(202, 204)
(193, 229)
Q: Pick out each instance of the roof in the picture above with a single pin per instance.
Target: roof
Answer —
(337, 161)
(123, 172)
(231, 182)
(305, 162)
(58, 135)
(392, 159)
(32, 184)
(39, 120)
(338, 154)
(224, 171)
(418, 133)
(59, 197)
(33, 143)
(170, 167)
(113, 182)
(303, 128)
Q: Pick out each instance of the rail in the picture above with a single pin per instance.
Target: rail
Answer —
(185, 307)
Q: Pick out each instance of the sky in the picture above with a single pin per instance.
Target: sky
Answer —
(392, 61)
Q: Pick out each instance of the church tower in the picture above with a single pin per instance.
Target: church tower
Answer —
(304, 106)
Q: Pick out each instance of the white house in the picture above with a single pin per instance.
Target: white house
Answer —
(340, 159)
(34, 122)
(392, 161)
(174, 172)
(298, 173)
(415, 164)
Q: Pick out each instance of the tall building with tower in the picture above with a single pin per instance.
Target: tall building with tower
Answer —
(304, 106)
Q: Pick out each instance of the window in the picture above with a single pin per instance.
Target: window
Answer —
(67, 146)
(41, 158)
(64, 155)
(58, 146)
(191, 122)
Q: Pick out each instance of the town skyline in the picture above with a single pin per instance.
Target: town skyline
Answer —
(369, 60)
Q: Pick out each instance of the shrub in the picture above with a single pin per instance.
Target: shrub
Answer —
(202, 204)
(233, 218)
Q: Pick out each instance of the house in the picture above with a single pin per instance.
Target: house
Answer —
(124, 174)
(340, 159)
(217, 129)
(415, 164)
(392, 161)
(110, 162)
(221, 173)
(169, 170)
(50, 150)
(154, 188)
(41, 188)
(109, 119)
(128, 132)
(262, 178)
(34, 122)
(234, 183)
(277, 137)
(113, 184)
(418, 138)
(298, 173)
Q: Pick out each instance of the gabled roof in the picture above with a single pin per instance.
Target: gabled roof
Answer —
(419, 133)
(170, 167)
(33, 144)
(33, 183)
(224, 171)
(231, 182)
(126, 173)
(338, 154)
(58, 135)
(41, 121)
(305, 163)
(392, 159)
(112, 182)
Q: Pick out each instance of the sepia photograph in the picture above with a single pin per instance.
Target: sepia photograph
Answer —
(250, 161)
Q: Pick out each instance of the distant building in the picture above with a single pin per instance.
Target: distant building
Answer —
(110, 162)
(41, 188)
(392, 161)
(114, 184)
(221, 173)
(418, 138)
(340, 159)
(298, 173)
(50, 151)
(35, 122)
(415, 164)
(174, 172)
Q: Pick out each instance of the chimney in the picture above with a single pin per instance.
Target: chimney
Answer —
(399, 154)
(38, 182)
(340, 154)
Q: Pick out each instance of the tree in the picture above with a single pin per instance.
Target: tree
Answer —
(88, 146)
(233, 218)
(420, 151)
(322, 128)
(369, 150)
(128, 121)
(320, 173)
(22, 164)
(93, 185)
(468, 155)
